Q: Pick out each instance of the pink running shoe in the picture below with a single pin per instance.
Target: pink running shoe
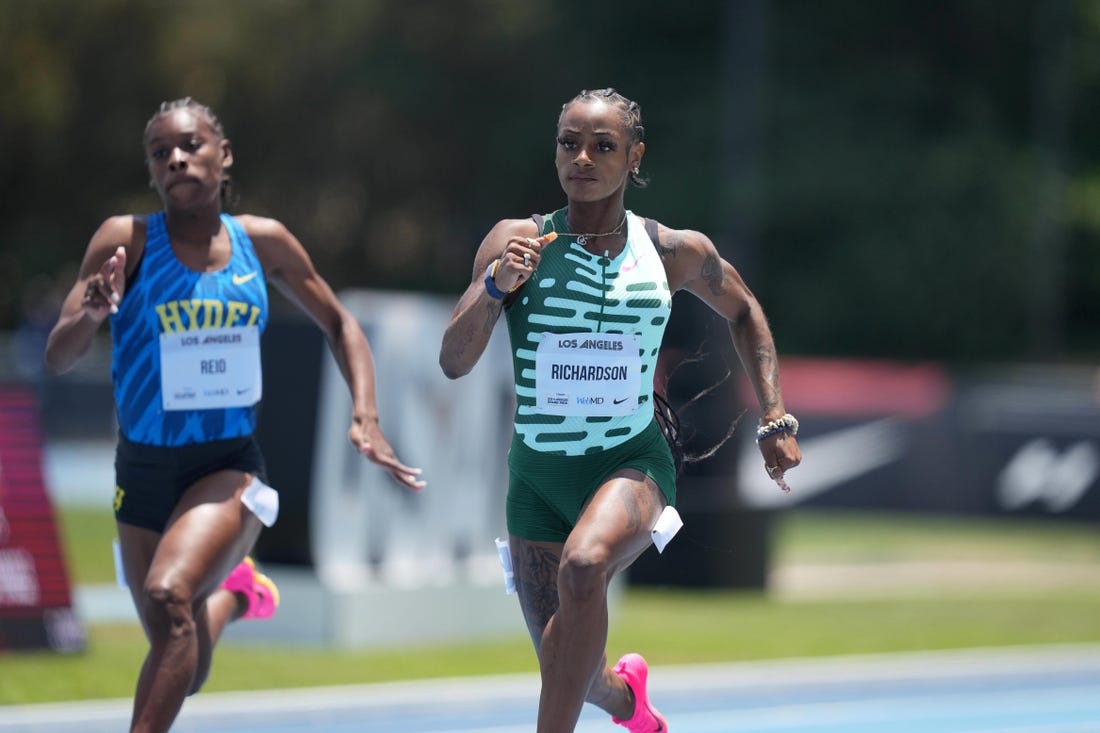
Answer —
(260, 590)
(634, 671)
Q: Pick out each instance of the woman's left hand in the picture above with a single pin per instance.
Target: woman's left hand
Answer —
(781, 453)
(367, 438)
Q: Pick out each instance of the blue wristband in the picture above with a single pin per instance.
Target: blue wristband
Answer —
(491, 284)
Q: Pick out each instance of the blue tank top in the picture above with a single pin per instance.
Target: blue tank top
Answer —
(165, 296)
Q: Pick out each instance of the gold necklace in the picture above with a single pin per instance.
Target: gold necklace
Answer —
(582, 239)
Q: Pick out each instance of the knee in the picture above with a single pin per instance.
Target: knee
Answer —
(167, 611)
(583, 575)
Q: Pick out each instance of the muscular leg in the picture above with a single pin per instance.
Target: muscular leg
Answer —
(536, 572)
(569, 626)
(211, 618)
(208, 533)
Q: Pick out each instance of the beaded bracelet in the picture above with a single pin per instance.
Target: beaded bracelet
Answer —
(785, 424)
(491, 283)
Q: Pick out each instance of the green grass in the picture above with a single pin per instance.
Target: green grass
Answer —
(671, 626)
(86, 536)
(849, 536)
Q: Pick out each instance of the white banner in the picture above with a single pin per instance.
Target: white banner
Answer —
(365, 528)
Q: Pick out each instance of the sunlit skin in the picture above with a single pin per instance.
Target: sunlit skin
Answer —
(176, 575)
(594, 156)
(562, 587)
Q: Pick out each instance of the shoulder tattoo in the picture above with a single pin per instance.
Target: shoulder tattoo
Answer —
(672, 244)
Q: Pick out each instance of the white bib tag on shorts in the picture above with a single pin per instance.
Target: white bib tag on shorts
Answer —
(668, 524)
(587, 374)
(213, 368)
(261, 500)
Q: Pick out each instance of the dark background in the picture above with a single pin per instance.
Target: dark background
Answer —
(895, 179)
(909, 181)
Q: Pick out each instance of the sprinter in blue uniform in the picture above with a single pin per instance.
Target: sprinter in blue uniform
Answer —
(185, 292)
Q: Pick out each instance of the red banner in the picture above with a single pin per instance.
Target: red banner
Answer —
(36, 610)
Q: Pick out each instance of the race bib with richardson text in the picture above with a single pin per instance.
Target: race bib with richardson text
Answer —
(587, 374)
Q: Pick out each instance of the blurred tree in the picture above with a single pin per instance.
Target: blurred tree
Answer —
(900, 184)
(891, 199)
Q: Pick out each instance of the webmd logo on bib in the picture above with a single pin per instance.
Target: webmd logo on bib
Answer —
(587, 375)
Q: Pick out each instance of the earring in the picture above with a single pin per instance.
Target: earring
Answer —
(635, 171)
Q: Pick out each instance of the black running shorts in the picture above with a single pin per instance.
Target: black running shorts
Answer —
(150, 479)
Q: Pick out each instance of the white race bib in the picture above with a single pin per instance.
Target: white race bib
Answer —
(212, 368)
(587, 374)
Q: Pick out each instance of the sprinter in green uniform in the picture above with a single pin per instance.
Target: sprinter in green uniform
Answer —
(586, 292)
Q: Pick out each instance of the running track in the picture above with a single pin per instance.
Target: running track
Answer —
(1015, 690)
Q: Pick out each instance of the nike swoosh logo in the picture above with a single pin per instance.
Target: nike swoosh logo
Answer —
(619, 402)
(242, 279)
(828, 461)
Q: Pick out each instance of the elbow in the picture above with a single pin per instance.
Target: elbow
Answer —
(53, 365)
(749, 313)
(51, 360)
(451, 359)
(452, 368)
(452, 364)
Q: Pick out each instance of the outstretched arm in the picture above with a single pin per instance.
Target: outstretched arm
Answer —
(289, 268)
(693, 264)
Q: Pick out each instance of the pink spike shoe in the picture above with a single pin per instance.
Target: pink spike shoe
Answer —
(633, 670)
(260, 590)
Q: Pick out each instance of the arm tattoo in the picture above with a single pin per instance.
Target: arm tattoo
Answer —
(768, 364)
(492, 314)
(712, 274)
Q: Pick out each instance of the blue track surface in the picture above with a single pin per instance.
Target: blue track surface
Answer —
(1017, 690)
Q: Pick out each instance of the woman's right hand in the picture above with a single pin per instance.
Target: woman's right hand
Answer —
(105, 289)
(519, 259)
(367, 438)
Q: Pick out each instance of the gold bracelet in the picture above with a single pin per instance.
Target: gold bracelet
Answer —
(493, 275)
